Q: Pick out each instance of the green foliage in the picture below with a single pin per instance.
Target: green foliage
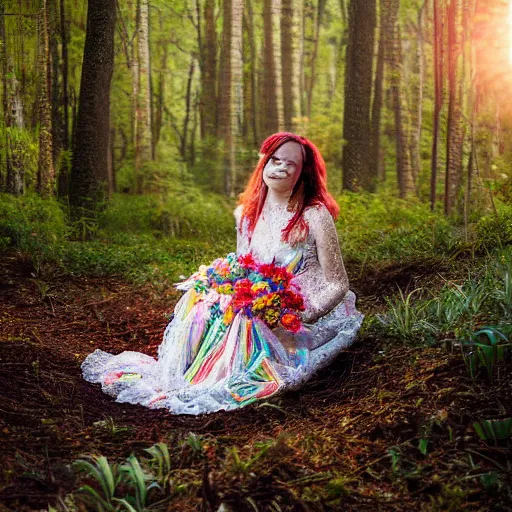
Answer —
(495, 230)
(31, 224)
(188, 213)
(494, 429)
(487, 348)
(380, 228)
(128, 486)
(457, 309)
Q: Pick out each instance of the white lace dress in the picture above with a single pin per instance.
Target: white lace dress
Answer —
(203, 368)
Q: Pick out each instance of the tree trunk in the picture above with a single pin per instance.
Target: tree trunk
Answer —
(358, 91)
(417, 96)
(89, 174)
(186, 121)
(143, 135)
(209, 73)
(438, 97)
(56, 96)
(158, 109)
(455, 129)
(13, 119)
(395, 66)
(230, 92)
(63, 184)
(45, 168)
(316, 43)
(250, 130)
(269, 92)
(278, 61)
(290, 64)
(377, 105)
(237, 92)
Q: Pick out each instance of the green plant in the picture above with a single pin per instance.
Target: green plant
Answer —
(162, 459)
(142, 483)
(486, 348)
(404, 318)
(494, 429)
(106, 476)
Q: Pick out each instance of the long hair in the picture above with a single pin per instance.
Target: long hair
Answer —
(310, 189)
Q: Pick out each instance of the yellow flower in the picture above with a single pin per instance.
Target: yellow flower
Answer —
(261, 286)
(272, 300)
(271, 316)
(258, 305)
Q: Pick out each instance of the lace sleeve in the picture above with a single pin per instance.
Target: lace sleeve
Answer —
(329, 257)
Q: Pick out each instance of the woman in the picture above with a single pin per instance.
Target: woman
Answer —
(217, 353)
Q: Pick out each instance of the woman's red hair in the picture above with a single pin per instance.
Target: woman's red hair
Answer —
(310, 189)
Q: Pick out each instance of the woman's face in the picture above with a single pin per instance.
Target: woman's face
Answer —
(283, 168)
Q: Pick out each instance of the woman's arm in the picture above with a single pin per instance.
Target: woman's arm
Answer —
(323, 229)
(240, 239)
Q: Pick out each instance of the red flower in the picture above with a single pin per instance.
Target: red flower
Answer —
(247, 261)
(267, 270)
(291, 300)
(243, 294)
(291, 322)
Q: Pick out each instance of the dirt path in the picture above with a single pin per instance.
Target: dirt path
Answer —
(358, 424)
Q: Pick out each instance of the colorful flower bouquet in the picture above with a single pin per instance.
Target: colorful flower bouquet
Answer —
(234, 284)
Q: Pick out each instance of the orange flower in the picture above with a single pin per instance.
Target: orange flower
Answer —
(291, 322)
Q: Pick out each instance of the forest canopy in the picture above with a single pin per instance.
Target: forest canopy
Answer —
(408, 97)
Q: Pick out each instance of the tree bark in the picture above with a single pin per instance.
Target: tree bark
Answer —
(250, 130)
(455, 129)
(230, 91)
(438, 97)
(209, 73)
(377, 105)
(63, 183)
(89, 174)
(270, 122)
(290, 64)
(13, 119)
(143, 135)
(358, 91)
(394, 63)
(45, 168)
(316, 43)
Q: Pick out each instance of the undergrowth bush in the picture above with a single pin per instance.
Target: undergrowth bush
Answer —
(381, 228)
(31, 224)
(185, 214)
(459, 308)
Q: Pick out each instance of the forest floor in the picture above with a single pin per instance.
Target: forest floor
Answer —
(387, 426)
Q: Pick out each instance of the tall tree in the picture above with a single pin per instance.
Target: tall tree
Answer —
(143, 134)
(290, 63)
(416, 87)
(208, 64)
(377, 104)
(89, 174)
(230, 90)
(316, 44)
(358, 92)
(63, 185)
(455, 128)
(438, 96)
(394, 58)
(45, 169)
(250, 126)
(272, 118)
(13, 117)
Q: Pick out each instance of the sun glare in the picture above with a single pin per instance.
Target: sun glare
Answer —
(510, 31)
